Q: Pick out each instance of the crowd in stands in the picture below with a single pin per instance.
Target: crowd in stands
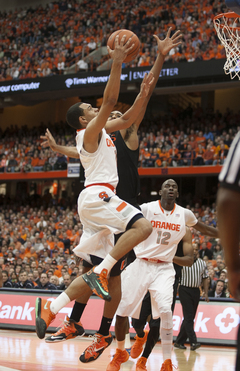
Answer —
(36, 246)
(44, 41)
(183, 137)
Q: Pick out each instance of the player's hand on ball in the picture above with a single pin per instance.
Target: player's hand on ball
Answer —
(121, 50)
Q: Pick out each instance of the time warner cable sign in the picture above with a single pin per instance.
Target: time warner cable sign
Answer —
(63, 82)
(127, 77)
(171, 73)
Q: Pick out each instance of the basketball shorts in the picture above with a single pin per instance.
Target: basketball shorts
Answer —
(142, 276)
(102, 215)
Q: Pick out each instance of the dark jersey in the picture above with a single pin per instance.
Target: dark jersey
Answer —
(128, 187)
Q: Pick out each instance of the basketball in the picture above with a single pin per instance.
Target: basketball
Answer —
(134, 40)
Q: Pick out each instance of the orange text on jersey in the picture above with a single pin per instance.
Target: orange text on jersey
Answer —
(109, 143)
(163, 225)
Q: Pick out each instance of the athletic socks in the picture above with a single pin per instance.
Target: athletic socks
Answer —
(61, 301)
(107, 263)
(105, 326)
(77, 311)
(166, 342)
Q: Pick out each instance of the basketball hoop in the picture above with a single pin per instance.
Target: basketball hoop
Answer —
(227, 26)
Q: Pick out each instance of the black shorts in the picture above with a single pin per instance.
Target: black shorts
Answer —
(116, 269)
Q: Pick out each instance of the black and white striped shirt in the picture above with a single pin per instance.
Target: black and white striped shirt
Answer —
(193, 276)
(230, 173)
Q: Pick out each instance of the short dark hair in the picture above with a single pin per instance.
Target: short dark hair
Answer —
(73, 115)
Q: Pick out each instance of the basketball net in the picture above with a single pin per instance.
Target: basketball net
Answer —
(227, 26)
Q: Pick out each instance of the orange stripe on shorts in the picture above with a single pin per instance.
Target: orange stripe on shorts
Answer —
(121, 206)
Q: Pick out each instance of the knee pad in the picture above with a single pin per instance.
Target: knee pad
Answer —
(166, 320)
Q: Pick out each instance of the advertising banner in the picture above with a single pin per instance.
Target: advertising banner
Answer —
(170, 74)
(215, 322)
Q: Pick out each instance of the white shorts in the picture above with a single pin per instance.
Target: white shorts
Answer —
(101, 220)
(142, 276)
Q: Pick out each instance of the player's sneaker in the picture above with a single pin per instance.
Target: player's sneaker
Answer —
(94, 350)
(44, 316)
(120, 357)
(141, 364)
(128, 350)
(69, 330)
(167, 365)
(98, 283)
(137, 347)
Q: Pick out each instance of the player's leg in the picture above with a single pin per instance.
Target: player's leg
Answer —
(134, 287)
(46, 311)
(161, 292)
(137, 230)
(72, 326)
(103, 338)
(139, 325)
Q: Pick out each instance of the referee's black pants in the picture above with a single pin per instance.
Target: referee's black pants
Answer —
(189, 298)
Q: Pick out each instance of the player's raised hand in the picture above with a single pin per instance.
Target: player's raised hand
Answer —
(48, 140)
(146, 84)
(121, 50)
(164, 46)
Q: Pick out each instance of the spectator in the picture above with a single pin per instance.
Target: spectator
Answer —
(5, 279)
(205, 251)
(61, 163)
(23, 282)
(45, 284)
(217, 251)
(54, 280)
(66, 282)
(219, 290)
(82, 65)
(11, 164)
(208, 156)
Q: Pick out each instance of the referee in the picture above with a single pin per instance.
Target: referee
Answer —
(189, 295)
(228, 212)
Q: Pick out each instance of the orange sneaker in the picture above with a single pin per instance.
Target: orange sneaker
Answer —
(141, 364)
(69, 330)
(94, 350)
(167, 365)
(120, 357)
(98, 283)
(44, 316)
(137, 347)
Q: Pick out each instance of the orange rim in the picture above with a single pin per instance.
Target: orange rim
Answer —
(226, 15)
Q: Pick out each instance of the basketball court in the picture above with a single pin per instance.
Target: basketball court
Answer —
(24, 351)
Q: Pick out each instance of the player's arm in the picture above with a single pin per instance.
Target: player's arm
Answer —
(187, 259)
(129, 117)
(205, 289)
(164, 47)
(207, 230)
(49, 141)
(228, 212)
(110, 96)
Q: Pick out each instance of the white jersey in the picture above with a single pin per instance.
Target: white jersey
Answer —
(169, 227)
(100, 166)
